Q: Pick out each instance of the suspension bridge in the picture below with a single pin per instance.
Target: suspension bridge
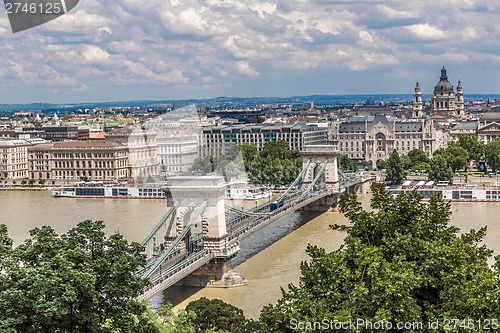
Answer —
(195, 241)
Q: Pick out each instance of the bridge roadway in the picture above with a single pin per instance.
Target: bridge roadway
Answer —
(182, 264)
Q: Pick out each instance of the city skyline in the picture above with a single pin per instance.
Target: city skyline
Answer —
(130, 50)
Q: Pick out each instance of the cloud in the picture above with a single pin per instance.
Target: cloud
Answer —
(132, 49)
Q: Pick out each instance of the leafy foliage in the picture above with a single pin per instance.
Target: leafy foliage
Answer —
(216, 315)
(394, 169)
(471, 144)
(276, 164)
(346, 164)
(401, 262)
(81, 281)
(439, 169)
(492, 154)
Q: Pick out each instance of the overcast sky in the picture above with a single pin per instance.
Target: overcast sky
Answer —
(176, 49)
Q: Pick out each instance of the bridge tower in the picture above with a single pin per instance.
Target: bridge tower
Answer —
(208, 230)
(315, 159)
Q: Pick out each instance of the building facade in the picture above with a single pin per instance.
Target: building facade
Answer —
(13, 159)
(374, 138)
(142, 150)
(488, 127)
(217, 139)
(79, 160)
(177, 151)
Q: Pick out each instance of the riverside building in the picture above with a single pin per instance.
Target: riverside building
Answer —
(374, 138)
(217, 139)
(79, 160)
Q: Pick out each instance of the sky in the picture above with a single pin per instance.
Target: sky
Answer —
(120, 50)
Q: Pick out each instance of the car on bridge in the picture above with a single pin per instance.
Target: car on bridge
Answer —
(276, 204)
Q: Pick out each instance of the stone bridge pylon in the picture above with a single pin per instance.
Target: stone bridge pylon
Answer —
(321, 161)
(199, 208)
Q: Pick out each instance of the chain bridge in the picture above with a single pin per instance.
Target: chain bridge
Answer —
(194, 242)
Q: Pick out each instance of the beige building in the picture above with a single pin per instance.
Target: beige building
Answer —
(13, 159)
(142, 150)
(40, 161)
(374, 138)
(79, 160)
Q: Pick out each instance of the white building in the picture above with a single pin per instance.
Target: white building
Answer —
(142, 150)
(177, 150)
(13, 159)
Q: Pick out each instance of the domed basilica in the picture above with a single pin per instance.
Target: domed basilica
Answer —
(445, 102)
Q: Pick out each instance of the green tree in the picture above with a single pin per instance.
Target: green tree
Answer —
(248, 153)
(278, 149)
(395, 173)
(401, 262)
(422, 167)
(346, 164)
(474, 147)
(416, 156)
(439, 169)
(216, 315)
(492, 154)
(81, 281)
(457, 157)
(203, 164)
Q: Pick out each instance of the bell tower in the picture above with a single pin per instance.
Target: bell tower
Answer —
(417, 102)
(460, 108)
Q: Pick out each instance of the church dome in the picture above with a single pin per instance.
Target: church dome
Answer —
(443, 86)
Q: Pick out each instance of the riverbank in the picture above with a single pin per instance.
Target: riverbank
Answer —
(26, 188)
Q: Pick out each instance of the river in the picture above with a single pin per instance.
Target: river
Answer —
(268, 260)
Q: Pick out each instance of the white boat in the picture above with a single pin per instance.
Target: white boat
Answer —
(457, 193)
(145, 192)
(246, 191)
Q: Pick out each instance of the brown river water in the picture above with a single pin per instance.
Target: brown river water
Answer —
(269, 259)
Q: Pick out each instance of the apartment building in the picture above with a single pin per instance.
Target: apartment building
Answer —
(217, 139)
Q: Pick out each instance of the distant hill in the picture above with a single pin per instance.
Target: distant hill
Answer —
(337, 100)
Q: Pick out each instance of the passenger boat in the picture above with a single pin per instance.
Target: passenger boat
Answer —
(459, 192)
(149, 191)
(246, 191)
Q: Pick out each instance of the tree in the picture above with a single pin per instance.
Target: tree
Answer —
(81, 281)
(422, 167)
(216, 315)
(492, 154)
(401, 262)
(474, 147)
(395, 173)
(278, 149)
(346, 164)
(439, 169)
(416, 156)
(203, 164)
(457, 157)
(248, 153)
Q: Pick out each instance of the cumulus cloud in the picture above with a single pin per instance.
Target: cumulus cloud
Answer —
(132, 49)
